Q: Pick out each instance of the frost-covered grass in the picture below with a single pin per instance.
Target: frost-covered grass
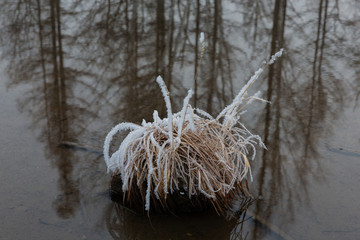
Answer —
(189, 152)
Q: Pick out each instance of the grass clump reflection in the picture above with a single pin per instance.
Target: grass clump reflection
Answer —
(189, 157)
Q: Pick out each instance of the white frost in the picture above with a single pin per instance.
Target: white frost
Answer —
(276, 56)
(202, 37)
(110, 135)
(165, 93)
(182, 115)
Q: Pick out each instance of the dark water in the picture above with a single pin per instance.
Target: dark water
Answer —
(70, 71)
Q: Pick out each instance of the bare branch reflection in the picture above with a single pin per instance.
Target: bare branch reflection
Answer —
(301, 113)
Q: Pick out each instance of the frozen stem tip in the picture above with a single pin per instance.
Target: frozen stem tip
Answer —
(276, 56)
(202, 37)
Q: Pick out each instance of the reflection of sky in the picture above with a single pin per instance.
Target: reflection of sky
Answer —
(109, 74)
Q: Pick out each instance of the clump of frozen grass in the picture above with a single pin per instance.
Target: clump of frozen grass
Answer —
(189, 152)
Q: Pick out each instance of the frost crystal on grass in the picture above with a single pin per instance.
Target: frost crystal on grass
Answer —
(276, 56)
(165, 93)
(202, 37)
(186, 153)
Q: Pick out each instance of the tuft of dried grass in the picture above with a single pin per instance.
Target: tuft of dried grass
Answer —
(188, 156)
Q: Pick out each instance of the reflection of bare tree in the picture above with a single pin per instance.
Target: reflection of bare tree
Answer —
(299, 103)
(48, 104)
(139, 44)
(68, 200)
(218, 74)
(274, 161)
(317, 93)
(151, 46)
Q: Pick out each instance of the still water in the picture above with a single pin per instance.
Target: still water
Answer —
(70, 70)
